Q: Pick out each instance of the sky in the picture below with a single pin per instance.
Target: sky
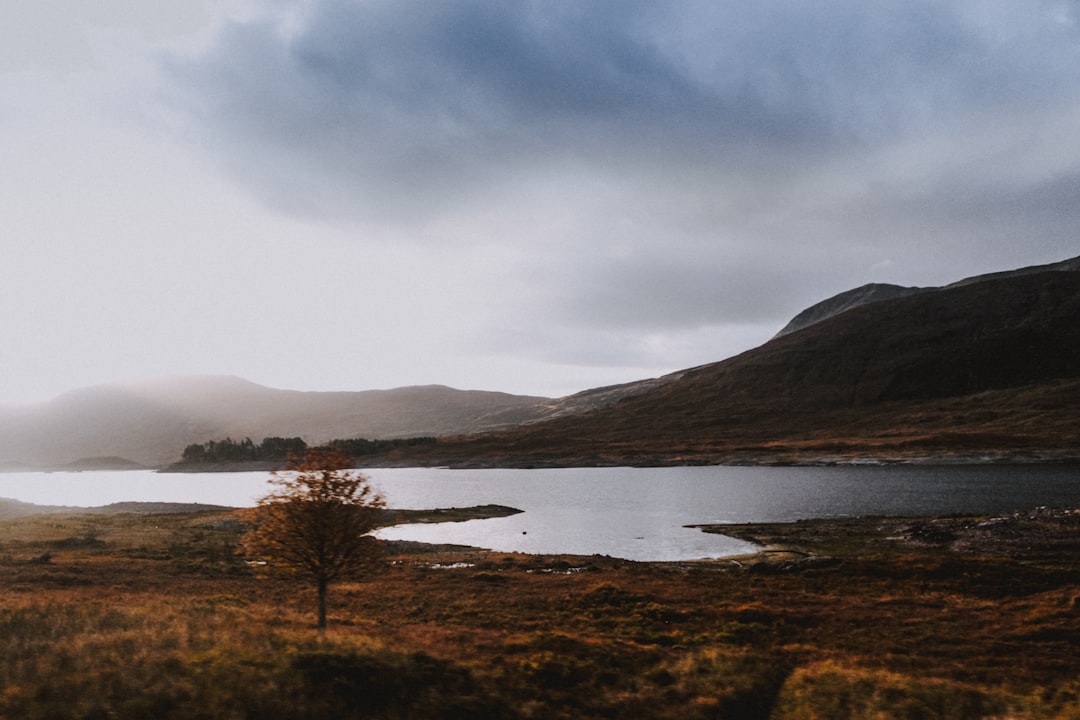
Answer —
(533, 197)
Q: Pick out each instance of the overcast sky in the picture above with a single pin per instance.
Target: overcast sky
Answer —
(534, 197)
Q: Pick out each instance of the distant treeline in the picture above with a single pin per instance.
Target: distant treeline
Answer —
(277, 449)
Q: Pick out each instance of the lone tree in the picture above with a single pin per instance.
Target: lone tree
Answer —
(317, 520)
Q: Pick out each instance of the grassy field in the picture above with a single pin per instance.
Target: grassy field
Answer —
(130, 615)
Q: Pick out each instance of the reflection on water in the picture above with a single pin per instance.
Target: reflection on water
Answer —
(633, 536)
(633, 513)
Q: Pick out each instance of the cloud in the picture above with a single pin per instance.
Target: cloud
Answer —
(657, 168)
(406, 108)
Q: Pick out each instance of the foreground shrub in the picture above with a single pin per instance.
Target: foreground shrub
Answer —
(383, 684)
(827, 691)
(732, 685)
(206, 659)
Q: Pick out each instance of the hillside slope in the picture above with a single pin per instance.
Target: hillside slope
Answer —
(878, 292)
(985, 367)
(977, 369)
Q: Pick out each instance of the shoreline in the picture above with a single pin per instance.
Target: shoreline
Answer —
(813, 542)
(748, 458)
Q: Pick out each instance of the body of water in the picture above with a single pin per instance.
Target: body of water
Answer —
(633, 513)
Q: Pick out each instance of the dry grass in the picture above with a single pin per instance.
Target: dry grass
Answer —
(131, 616)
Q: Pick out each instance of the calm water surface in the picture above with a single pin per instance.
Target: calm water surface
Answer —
(633, 513)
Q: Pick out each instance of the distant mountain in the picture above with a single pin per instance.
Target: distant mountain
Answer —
(14, 509)
(872, 293)
(150, 423)
(984, 368)
(877, 292)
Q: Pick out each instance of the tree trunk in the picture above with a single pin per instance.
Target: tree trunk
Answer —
(322, 604)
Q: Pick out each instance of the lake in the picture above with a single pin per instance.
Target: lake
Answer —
(632, 513)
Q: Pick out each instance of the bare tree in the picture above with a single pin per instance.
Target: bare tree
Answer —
(317, 521)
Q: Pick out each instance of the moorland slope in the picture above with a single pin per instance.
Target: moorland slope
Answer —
(984, 369)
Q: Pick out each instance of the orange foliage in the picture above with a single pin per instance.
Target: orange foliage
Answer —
(317, 520)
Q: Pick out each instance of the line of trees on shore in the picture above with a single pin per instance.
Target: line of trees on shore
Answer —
(278, 449)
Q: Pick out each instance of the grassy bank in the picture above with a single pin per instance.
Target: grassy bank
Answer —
(133, 616)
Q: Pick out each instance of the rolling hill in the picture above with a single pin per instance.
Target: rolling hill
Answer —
(984, 369)
(877, 292)
(151, 422)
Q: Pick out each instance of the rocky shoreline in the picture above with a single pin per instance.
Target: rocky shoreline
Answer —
(1043, 531)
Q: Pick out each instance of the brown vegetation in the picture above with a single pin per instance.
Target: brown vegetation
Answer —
(316, 521)
(135, 616)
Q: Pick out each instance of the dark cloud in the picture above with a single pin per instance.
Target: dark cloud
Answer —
(765, 153)
(348, 107)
